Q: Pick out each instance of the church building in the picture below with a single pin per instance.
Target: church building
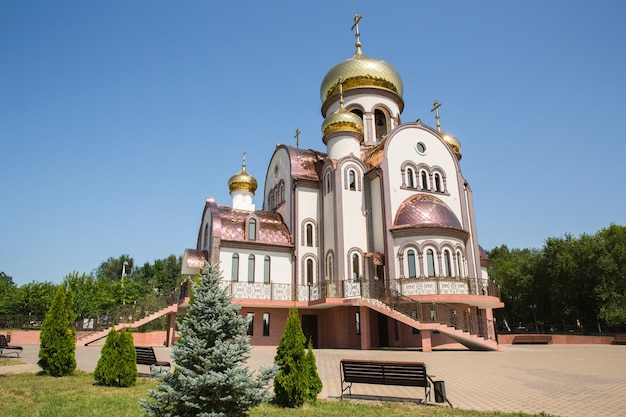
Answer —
(373, 237)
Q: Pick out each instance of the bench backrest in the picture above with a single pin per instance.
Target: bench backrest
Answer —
(145, 355)
(387, 373)
(3, 342)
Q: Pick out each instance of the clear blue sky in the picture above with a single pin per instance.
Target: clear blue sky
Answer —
(118, 118)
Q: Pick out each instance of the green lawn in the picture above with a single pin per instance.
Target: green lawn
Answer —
(30, 395)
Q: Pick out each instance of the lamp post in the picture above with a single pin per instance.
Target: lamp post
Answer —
(533, 307)
(123, 275)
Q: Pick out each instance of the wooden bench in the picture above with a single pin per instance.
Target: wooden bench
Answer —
(412, 374)
(146, 356)
(534, 339)
(4, 345)
(620, 339)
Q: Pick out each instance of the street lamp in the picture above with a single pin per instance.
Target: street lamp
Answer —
(123, 275)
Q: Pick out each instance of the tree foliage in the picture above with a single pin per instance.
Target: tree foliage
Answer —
(569, 280)
(117, 364)
(297, 381)
(210, 378)
(58, 336)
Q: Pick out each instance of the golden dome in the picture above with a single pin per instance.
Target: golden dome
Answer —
(361, 71)
(242, 181)
(342, 120)
(453, 143)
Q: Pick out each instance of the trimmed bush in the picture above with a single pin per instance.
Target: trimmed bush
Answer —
(117, 364)
(297, 381)
(57, 350)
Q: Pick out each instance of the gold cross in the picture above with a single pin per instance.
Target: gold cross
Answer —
(357, 35)
(243, 164)
(435, 109)
(297, 136)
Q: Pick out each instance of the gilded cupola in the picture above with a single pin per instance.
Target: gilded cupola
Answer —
(361, 71)
(242, 180)
(449, 139)
(342, 120)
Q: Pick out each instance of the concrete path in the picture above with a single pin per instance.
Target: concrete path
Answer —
(561, 380)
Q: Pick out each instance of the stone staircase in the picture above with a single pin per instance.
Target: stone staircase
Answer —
(86, 340)
(471, 341)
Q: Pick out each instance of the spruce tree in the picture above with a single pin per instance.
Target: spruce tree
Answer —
(117, 364)
(297, 381)
(58, 336)
(209, 378)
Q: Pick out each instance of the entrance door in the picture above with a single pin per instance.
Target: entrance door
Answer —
(383, 331)
(309, 327)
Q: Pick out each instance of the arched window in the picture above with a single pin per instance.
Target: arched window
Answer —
(351, 180)
(356, 266)
(327, 183)
(438, 183)
(309, 234)
(252, 229)
(358, 112)
(459, 264)
(447, 263)
(266, 269)
(282, 192)
(206, 236)
(329, 267)
(430, 260)
(270, 202)
(410, 256)
(234, 275)
(410, 181)
(309, 272)
(382, 128)
(251, 268)
(424, 177)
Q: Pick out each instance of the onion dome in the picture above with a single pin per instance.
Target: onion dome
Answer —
(242, 180)
(426, 211)
(453, 143)
(361, 71)
(344, 121)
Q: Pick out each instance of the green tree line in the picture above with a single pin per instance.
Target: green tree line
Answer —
(115, 282)
(570, 283)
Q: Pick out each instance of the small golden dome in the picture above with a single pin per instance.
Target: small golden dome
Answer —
(361, 71)
(242, 181)
(453, 143)
(342, 120)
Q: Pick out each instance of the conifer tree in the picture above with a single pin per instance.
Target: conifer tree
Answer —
(210, 378)
(117, 363)
(297, 381)
(58, 336)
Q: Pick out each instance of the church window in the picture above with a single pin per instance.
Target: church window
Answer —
(206, 236)
(234, 275)
(446, 263)
(251, 268)
(381, 124)
(271, 201)
(410, 180)
(459, 264)
(329, 267)
(266, 324)
(266, 269)
(309, 271)
(356, 266)
(282, 192)
(250, 317)
(252, 229)
(328, 183)
(420, 148)
(352, 180)
(424, 179)
(309, 234)
(410, 256)
(438, 182)
(430, 260)
(358, 112)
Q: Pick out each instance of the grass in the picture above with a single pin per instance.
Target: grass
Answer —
(31, 395)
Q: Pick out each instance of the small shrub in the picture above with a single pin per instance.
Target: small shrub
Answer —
(58, 337)
(117, 363)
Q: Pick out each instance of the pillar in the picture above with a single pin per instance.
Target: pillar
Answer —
(366, 340)
(427, 345)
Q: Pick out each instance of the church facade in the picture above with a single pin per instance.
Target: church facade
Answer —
(373, 238)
